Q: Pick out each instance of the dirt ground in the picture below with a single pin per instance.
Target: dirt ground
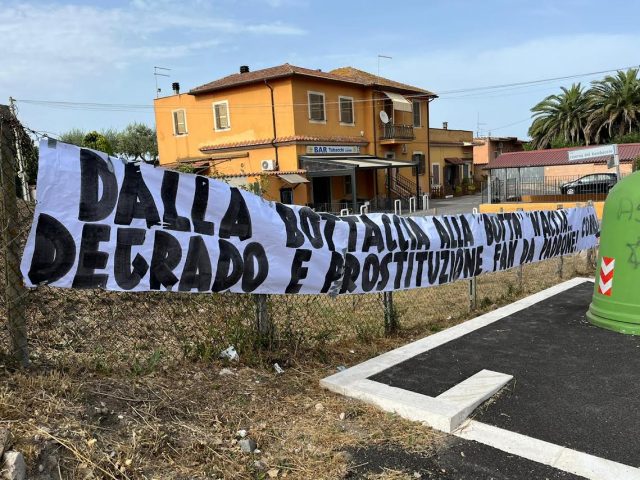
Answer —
(187, 418)
(184, 422)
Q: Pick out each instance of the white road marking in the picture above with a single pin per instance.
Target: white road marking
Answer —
(448, 411)
(556, 456)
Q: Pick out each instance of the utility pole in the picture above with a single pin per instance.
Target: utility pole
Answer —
(22, 174)
(13, 290)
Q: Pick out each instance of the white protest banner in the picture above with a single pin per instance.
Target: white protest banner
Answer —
(103, 223)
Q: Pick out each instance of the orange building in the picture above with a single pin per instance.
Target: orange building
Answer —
(331, 140)
(451, 155)
(486, 149)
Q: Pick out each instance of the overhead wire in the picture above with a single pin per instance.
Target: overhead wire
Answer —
(528, 119)
(473, 92)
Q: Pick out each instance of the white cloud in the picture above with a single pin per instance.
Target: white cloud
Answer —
(59, 43)
(285, 3)
(540, 58)
(535, 59)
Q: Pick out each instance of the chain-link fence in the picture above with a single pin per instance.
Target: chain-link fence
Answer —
(140, 331)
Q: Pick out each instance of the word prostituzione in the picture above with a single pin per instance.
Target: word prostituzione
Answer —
(104, 223)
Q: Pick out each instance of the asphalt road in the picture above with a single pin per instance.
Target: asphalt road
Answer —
(455, 205)
(575, 384)
(454, 459)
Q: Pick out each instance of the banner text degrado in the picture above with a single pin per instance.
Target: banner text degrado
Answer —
(101, 223)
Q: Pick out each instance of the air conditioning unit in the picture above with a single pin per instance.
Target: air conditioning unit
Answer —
(269, 165)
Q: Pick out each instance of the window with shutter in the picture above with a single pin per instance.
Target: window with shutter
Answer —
(179, 122)
(346, 110)
(420, 159)
(316, 107)
(286, 196)
(435, 174)
(221, 115)
(417, 119)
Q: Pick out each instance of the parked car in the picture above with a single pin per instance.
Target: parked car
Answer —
(594, 183)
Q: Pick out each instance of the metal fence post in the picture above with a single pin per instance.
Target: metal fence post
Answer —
(14, 290)
(390, 317)
(561, 258)
(473, 293)
(520, 267)
(397, 207)
(591, 260)
(264, 326)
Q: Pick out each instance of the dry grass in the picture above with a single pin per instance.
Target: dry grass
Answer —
(182, 423)
(102, 403)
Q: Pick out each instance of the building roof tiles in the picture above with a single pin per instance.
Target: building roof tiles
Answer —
(287, 139)
(557, 156)
(344, 74)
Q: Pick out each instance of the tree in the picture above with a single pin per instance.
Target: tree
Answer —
(97, 141)
(113, 138)
(561, 118)
(615, 105)
(75, 136)
(138, 142)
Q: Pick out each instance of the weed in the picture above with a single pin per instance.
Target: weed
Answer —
(146, 365)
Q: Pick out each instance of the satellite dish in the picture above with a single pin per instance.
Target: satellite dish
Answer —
(384, 118)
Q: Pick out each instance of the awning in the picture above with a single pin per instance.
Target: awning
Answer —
(458, 161)
(373, 163)
(399, 102)
(293, 178)
(318, 164)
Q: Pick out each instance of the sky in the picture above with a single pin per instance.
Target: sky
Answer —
(104, 52)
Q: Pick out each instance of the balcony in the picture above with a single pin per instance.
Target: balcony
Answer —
(393, 133)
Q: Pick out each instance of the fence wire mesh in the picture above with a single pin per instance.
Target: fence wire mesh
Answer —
(141, 331)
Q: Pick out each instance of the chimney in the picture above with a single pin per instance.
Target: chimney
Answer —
(244, 68)
(176, 88)
(445, 125)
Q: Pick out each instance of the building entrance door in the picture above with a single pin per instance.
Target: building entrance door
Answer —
(321, 190)
(451, 175)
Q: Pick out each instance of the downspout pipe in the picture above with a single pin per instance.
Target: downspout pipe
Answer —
(273, 120)
(375, 136)
(429, 172)
(375, 130)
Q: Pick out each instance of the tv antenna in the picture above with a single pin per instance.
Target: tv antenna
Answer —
(478, 124)
(382, 56)
(157, 72)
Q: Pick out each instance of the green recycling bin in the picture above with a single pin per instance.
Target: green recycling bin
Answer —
(616, 295)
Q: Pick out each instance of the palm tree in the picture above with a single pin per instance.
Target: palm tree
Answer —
(615, 105)
(562, 116)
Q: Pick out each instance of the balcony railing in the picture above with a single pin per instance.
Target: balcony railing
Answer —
(397, 132)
